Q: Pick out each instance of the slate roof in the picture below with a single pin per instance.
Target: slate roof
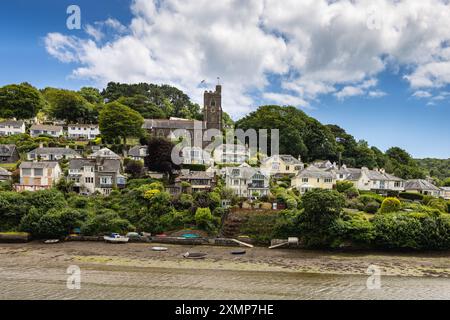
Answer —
(79, 125)
(136, 151)
(39, 165)
(420, 184)
(108, 165)
(196, 175)
(59, 151)
(242, 172)
(13, 123)
(287, 158)
(46, 127)
(7, 150)
(314, 172)
(104, 153)
(171, 124)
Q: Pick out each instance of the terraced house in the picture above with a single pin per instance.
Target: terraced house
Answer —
(11, 127)
(39, 129)
(36, 176)
(52, 154)
(96, 175)
(83, 131)
(313, 178)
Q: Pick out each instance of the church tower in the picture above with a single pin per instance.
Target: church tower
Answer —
(212, 109)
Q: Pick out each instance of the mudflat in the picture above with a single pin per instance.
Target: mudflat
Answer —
(133, 271)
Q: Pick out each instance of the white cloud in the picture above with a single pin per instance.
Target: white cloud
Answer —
(285, 99)
(313, 46)
(377, 94)
(422, 94)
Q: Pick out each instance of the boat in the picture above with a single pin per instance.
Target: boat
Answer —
(239, 252)
(159, 249)
(116, 238)
(194, 255)
(190, 236)
(53, 241)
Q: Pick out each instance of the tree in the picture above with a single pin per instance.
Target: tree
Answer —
(117, 120)
(299, 134)
(135, 168)
(160, 159)
(319, 220)
(92, 95)
(144, 106)
(68, 105)
(21, 101)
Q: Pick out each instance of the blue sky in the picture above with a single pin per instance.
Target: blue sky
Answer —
(379, 86)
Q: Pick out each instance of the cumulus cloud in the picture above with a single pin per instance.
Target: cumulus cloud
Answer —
(422, 94)
(285, 99)
(316, 47)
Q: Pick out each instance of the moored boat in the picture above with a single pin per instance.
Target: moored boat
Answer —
(115, 238)
(159, 249)
(195, 255)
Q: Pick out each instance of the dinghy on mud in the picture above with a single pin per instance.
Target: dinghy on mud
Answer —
(194, 255)
(116, 238)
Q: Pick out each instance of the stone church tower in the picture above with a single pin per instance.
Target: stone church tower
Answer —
(212, 109)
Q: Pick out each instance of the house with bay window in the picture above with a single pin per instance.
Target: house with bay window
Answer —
(96, 175)
(246, 181)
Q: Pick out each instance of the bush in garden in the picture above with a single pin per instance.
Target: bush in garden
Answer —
(30, 222)
(13, 206)
(51, 225)
(47, 199)
(427, 199)
(390, 205)
(369, 197)
(357, 229)
(439, 204)
(371, 207)
(291, 203)
(183, 201)
(351, 193)
(411, 196)
(214, 200)
(204, 219)
(342, 186)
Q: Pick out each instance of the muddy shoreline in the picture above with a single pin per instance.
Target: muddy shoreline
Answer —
(98, 255)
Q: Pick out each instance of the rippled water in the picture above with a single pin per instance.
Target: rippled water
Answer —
(156, 283)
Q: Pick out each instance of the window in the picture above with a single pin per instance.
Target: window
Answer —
(26, 172)
(287, 168)
(328, 180)
(305, 180)
(105, 180)
(38, 172)
(235, 182)
(89, 180)
(398, 184)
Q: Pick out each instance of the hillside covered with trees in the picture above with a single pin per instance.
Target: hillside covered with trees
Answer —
(300, 135)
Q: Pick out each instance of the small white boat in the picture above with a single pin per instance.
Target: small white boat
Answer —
(159, 249)
(53, 241)
(194, 255)
(116, 238)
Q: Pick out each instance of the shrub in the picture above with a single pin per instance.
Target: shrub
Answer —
(411, 196)
(51, 225)
(351, 193)
(105, 222)
(438, 204)
(342, 186)
(204, 219)
(390, 205)
(371, 207)
(369, 197)
(357, 229)
(194, 167)
(291, 203)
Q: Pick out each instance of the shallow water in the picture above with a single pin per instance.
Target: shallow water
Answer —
(106, 282)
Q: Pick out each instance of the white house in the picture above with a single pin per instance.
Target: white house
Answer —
(281, 165)
(313, 178)
(195, 155)
(39, 129)
(83, 131)
(445, 193)
(246, 181)
(35, 176)
(52, 154)
(423, 187)
(377, 180)
(11, 127)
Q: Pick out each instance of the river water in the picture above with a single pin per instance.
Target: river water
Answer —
(171, 283)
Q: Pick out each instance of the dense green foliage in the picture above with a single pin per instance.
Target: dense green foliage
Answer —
(21, 101)
(118, 120)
